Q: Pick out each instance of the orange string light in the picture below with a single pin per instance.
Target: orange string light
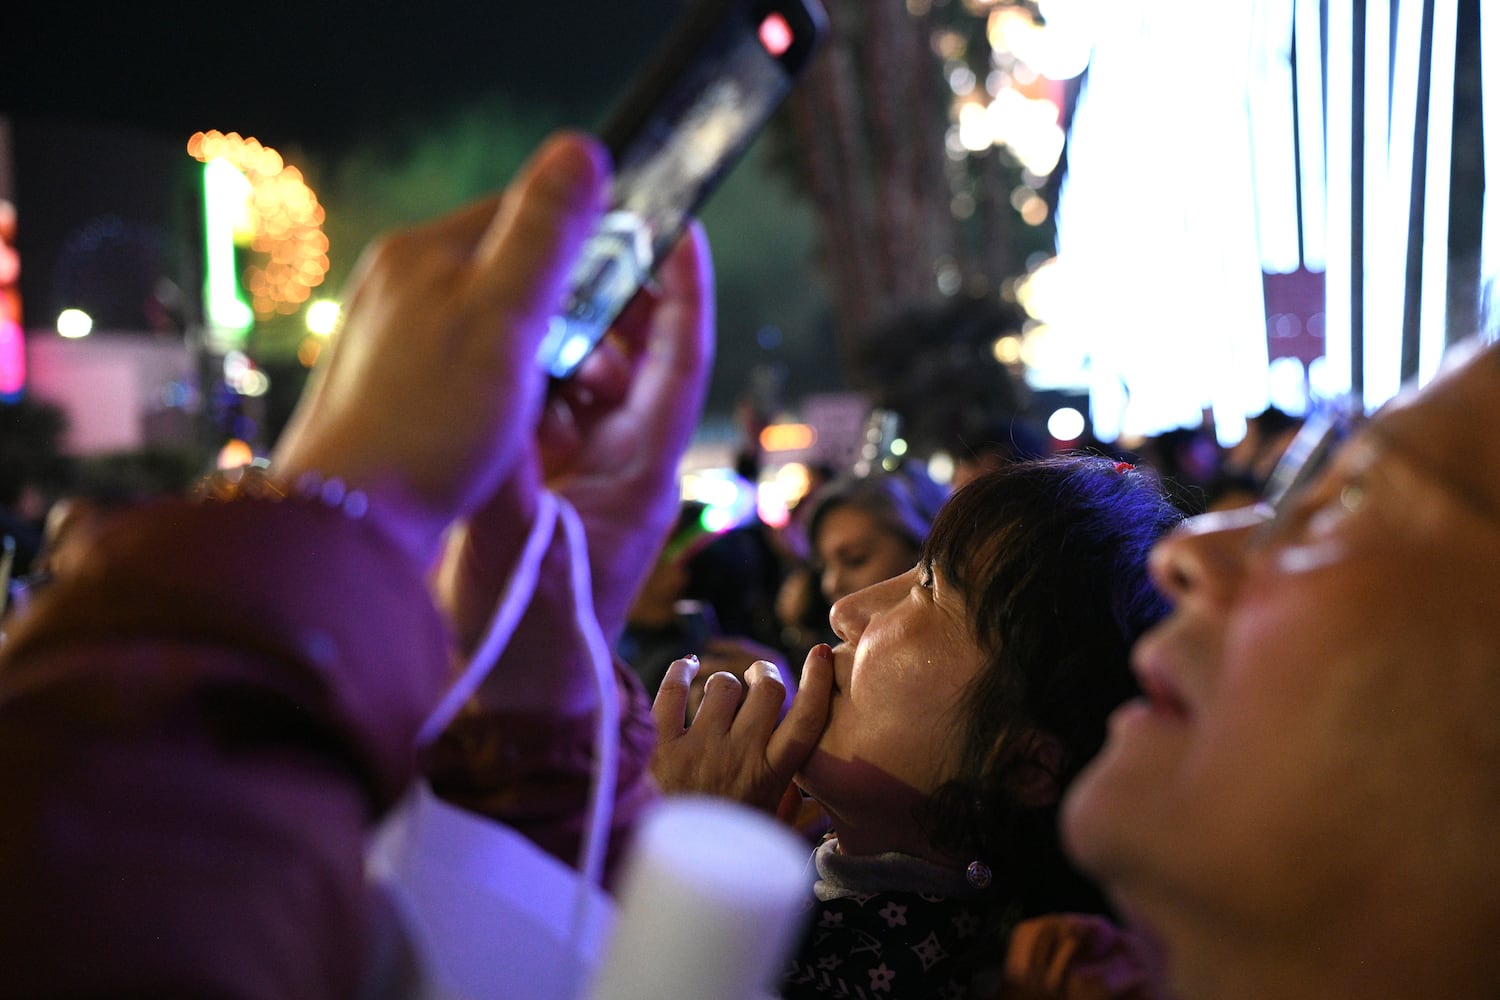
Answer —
(286, 218)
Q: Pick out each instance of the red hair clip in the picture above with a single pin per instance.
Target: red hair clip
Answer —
(1123, 467)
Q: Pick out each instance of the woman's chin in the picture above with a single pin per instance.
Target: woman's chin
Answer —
(855, 793)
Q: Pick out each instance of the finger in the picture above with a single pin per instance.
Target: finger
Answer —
(672, 378)
(721, 700)
(522, 259)
(669, 710)
(762, 705)
(308, 413)
(794, 739)
(559, 432)
(611, 368)
(634, 322)
(465, 227)
(603, 380)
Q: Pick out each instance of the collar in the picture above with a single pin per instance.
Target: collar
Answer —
(842, 875)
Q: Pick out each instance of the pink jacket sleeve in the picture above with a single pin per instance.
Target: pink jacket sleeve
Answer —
(196, 732)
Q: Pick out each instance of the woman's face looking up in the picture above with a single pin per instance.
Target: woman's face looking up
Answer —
(905, 659)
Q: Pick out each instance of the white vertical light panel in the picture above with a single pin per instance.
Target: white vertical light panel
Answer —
(1384, 287)
(1489, 47)
(1433, 337)
(1273, 133)
(1118, 217)
(1308, 30)
(1388, 229)
(1156, 221)
(1338, 279)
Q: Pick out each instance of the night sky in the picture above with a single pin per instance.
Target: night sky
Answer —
(313, 73)
(101, 101)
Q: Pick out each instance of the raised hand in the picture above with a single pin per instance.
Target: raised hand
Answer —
(608, 442)
(431, 389)
(735, 747)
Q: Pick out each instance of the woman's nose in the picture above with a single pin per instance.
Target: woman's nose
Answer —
(849, 615)
(1205, 557)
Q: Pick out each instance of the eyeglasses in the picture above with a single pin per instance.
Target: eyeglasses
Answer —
(1320, 438)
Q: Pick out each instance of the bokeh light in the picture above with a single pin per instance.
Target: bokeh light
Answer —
(308, 351)
(241, 375)
(74, 323)
(323, 317)
(788, 437)
(1008, 349)
(1066, 424)
(284, 222)
(234, 454)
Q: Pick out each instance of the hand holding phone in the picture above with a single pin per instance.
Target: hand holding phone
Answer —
(684, 123)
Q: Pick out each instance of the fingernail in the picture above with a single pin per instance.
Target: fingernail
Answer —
(822, 656)
(572, 166)
(770, 669)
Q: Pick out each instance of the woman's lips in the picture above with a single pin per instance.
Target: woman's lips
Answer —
(1162, 695)
(841, 654)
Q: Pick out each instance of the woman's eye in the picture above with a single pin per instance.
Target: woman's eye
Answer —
(1348, 499)
(1320, 512)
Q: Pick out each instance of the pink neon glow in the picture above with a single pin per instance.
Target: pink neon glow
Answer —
(12, 358)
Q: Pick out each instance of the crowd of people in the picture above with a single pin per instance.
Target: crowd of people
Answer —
(1059, 739)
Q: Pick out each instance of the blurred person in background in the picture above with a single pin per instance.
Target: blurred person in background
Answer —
(854, 530)
(862, 529)
(655, 633)
(709, 593)
(1246, 467)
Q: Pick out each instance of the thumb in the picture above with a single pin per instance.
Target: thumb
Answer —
(524, 257)
(793, 741)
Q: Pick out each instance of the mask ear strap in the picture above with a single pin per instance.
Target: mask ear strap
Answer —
(607, 724)
(519, 589)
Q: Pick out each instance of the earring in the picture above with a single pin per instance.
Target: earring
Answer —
(979, 875)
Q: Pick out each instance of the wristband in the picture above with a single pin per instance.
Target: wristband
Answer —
(254, 482)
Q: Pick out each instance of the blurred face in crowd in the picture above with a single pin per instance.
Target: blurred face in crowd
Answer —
(905, 658)
(1312, 785)
(856, 549)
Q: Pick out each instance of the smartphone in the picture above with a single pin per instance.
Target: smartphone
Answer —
(708, 92)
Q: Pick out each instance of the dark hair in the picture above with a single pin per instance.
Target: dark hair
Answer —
(1050, 556)
(905, 501)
